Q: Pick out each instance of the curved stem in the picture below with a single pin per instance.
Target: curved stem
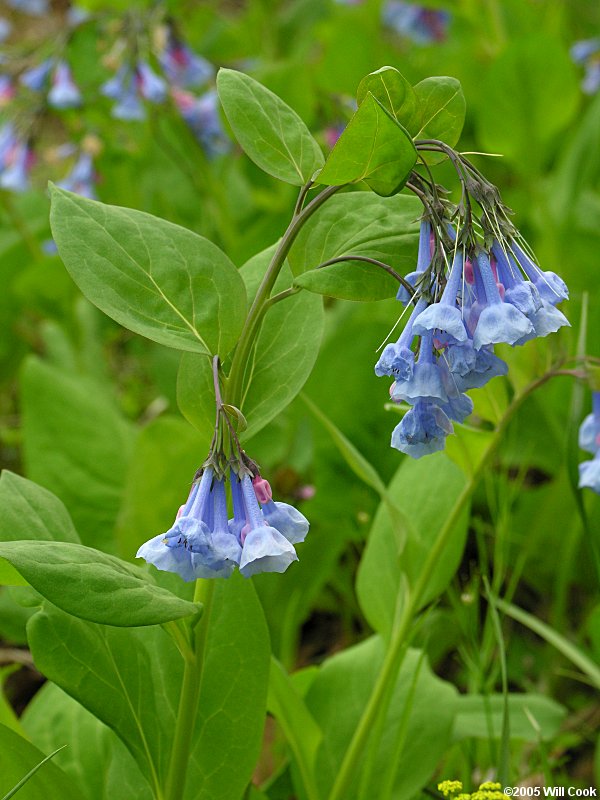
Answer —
(247, 337)
(395, 652)
(188, 699)
(367, 260)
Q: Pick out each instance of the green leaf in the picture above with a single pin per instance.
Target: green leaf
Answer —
(532, 716)
(93, 585)
(375, 148)
(534, 85)
(417, 727)
(78, 445)
(31, 512)
(442, 105)
(357, 223)
(155, 278)
(94, 756)
(269, 131)
(286, 350)
(425, 491)
(45, 780)
(131, 680)
(394, 93)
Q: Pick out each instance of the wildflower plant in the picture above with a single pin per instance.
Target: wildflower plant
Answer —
(190, 712)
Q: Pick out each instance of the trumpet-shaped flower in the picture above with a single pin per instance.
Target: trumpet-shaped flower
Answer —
(423, 430)
(264, 549)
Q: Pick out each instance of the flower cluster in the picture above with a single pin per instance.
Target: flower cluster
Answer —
(229, 519)
(467, 294)
(587, 53)
(16, 158)
(417, 23)
(589, 440)
(204, 543)
(489, 790)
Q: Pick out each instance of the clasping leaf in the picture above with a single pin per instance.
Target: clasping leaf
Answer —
(375, 148)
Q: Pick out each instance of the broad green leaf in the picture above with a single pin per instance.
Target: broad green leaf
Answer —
(532, 84)
(31, 512)
(426, 491)
(155, 278)
(394, 93)
(127, 678)
(421, 704)
(94, 756)
(375, 148)
(196, 394)
(442, 105)
(93, 585)
(130, 679)
(156, 485)
(357, 223)
(285, 352)
(532, 716)
(269, 131)
(352, 280)
(77, 444)
(17, 758)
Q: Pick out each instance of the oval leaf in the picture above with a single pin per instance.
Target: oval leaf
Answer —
(374, 148)
(443, 108)
(358, 223)
(269, 131)
(92, 585)
(394, 93)
(155, 278)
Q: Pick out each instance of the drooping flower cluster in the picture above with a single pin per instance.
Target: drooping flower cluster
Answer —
(587, 53)
(589, 440)
(419, 24)
(204, 542)
(229, 519)
(469, 293)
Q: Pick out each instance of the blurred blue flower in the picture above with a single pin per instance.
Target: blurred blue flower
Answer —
(150, 85)
(182, 67)
(5, 29)
(34, 7)
(589, 474)
(589, 439)
(202, 116)
(64, 92)
(16, 159)
(419, 24)
(82, 177)
(36, 77)
(587, 53)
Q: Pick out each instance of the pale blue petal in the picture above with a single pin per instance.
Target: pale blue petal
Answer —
(589, 475)
(167, 559)
(442, 317)
(500, 322)
(266, 550)
(287, 519)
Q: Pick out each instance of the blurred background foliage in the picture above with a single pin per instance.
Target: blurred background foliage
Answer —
(90, 411)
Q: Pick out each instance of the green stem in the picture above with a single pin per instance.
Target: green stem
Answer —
(394, 655)
(188, 699)
(253, 320)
